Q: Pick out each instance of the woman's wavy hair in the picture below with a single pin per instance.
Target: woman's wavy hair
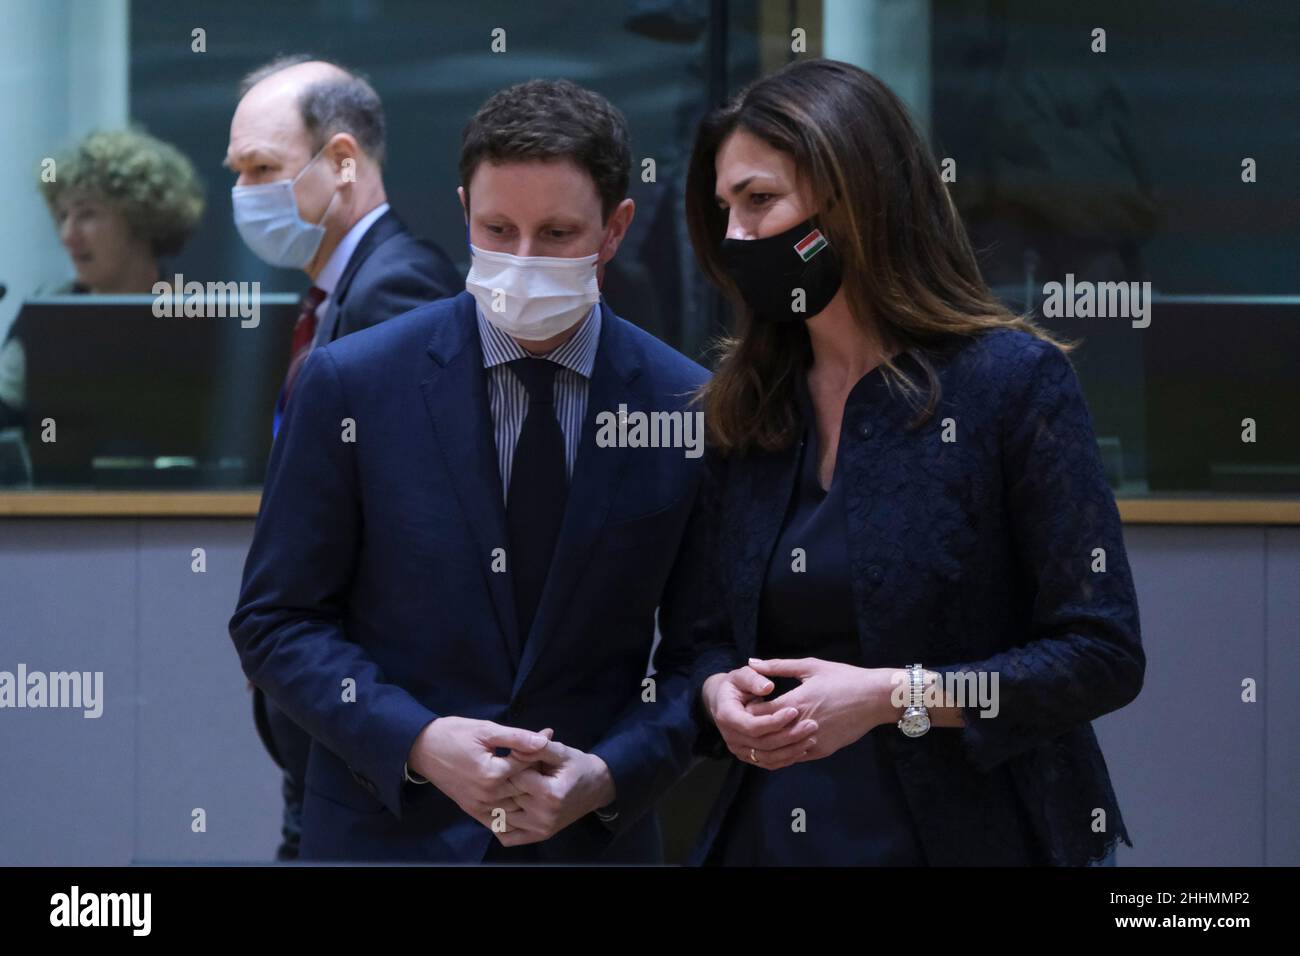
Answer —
(150, 182)
(910, 275)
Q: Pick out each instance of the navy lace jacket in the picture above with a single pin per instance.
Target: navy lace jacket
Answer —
(999, 550)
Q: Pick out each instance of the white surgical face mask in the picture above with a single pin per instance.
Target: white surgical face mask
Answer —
(532, 297)
(268, 221)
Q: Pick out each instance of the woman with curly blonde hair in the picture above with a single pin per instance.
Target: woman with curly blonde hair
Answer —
(122, 200)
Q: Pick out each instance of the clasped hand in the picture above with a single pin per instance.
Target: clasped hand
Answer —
(524, 796)
(833, 706)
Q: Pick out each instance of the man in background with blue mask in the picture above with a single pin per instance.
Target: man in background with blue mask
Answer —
(475, 568)
(307, 143)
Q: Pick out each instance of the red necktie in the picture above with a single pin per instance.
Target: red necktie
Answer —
(304, 333)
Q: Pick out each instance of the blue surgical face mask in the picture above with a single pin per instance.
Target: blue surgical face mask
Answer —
(268, 221)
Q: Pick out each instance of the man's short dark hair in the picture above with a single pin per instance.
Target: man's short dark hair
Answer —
(346, 104)
(547, 120)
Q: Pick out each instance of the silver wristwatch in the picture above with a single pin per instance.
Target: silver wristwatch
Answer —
(916, 719)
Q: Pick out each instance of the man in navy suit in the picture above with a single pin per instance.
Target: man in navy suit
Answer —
(456, 569)
(321, 130)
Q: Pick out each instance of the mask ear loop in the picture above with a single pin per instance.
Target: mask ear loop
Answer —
(293, 182)
(329, 204)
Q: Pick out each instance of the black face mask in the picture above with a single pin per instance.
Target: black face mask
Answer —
(768, 271)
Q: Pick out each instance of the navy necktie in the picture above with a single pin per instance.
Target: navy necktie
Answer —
(539, 488)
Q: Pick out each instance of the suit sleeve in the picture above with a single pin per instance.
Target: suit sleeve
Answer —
(1083, 657)
(650, 748)
(289, 624)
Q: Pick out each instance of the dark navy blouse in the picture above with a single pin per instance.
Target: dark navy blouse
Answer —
(853, 809)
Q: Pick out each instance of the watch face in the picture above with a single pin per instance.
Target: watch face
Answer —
(914, 725)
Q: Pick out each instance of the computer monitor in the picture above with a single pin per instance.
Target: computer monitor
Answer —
(1211, 363)
(139, 400)
(1169, 399)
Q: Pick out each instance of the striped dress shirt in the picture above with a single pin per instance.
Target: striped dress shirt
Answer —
(508, 399)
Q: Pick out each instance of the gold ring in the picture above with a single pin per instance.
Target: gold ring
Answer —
(752, 755)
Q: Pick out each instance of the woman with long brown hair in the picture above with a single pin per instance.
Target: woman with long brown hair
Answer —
(922, 596)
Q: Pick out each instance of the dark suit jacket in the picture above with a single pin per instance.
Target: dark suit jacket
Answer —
(389, 272)
(970, 555)
(372, 562)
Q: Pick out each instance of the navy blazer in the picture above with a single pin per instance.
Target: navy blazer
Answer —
(372, 563)
(389, 272)
(975, 554)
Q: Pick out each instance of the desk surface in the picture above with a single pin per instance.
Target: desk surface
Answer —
(243, 504)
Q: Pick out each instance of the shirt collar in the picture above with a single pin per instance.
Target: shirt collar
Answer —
(577, 354)
(338, 260)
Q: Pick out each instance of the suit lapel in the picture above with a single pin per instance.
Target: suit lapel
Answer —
(597, 474)
(455, 394)
(380, 231)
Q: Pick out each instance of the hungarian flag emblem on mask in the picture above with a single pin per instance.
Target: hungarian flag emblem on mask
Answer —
(810, 245)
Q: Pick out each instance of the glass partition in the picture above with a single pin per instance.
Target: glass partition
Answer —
(1106, 155)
